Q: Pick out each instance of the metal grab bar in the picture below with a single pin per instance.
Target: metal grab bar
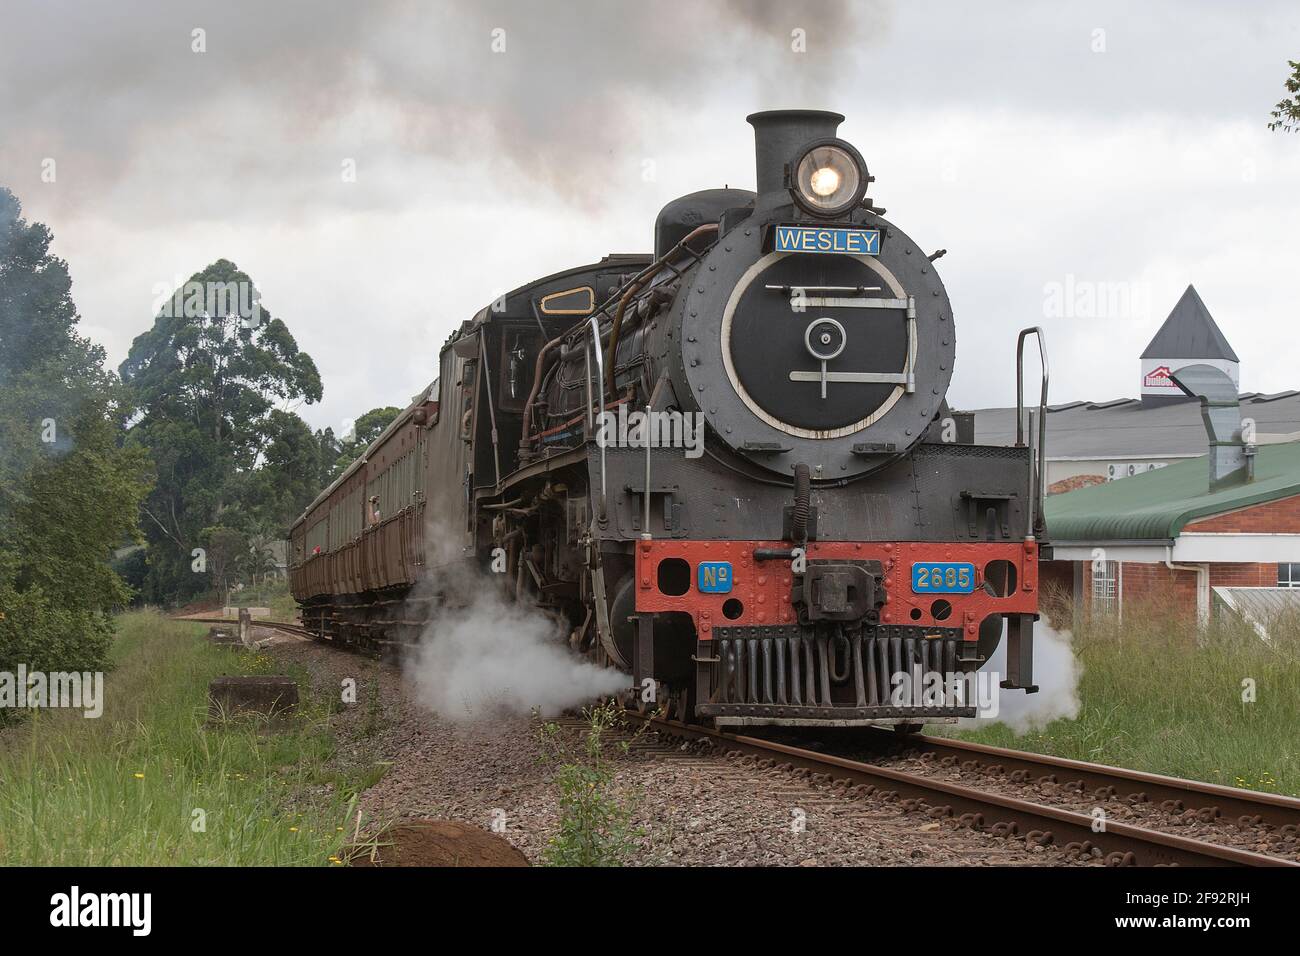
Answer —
(1039, 473)
(492, 414)
(645, 527)
(600, 435)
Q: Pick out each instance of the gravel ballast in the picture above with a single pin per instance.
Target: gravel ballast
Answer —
(691, 806)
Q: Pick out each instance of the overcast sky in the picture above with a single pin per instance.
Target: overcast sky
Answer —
(1055, 150)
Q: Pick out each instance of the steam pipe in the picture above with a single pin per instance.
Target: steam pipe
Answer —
(538, 369)
(633, 287)
(636, 286)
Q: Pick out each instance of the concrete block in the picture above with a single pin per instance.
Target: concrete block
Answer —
(225, 636)
(267, 695)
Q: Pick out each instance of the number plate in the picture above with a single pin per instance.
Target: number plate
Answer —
(943, 577)
(714, 577)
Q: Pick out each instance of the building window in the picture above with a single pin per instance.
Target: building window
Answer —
(1105, 589)
(1288, 575)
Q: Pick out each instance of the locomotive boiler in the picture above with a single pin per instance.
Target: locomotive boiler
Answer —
(727, 467)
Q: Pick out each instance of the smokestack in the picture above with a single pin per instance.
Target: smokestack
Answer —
(778, 134)
(1232, 461)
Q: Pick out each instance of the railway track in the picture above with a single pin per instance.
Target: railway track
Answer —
(1121, 844)
(1209, 801)
(297, 630)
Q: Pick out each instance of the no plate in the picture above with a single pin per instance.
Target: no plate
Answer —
(943, 577)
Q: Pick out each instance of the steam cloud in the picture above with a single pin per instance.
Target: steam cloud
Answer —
(494, 658)
(546, 92)
(482, 656)
(1056, 672)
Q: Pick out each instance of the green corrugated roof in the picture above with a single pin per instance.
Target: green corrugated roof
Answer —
(1158, 503)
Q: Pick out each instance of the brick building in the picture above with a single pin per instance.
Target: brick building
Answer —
(1178, 534)
(1208, 511)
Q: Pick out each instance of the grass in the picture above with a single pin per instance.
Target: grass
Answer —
(1156, 696)
(152, 783)
(596, 822)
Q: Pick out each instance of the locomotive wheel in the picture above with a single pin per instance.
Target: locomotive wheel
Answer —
(671, 705)
(680, 705)
(905, 729)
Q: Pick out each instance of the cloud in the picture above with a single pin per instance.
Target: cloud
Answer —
(995, 131)
(279, 94)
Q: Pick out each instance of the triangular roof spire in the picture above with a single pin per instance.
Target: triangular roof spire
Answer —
(1190, 333)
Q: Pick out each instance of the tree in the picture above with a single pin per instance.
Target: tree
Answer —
(69, 493)
(47, 369)
(214, 383)
(225, 548)
(288, 479)
(330, 448)
(1286, 116)
(368, 427)
(259, 560)
(79, 508)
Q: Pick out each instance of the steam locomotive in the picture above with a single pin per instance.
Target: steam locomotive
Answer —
(727, 468)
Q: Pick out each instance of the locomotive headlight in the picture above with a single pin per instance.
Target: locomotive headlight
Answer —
(829, 179)
(824, 181)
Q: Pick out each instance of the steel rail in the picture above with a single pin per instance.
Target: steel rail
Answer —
(1247, 806)
(299, 630)
(1123, 843)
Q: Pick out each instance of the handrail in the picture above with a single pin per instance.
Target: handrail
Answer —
(600, 436)
(492, 415)
(1039, 474)
(645, 527)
